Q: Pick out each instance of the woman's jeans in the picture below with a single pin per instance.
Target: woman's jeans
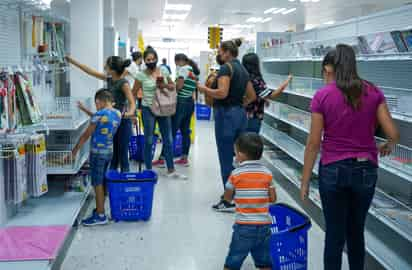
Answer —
(230, 122)
(181, 121)
(346, 191)
(165, 125)
(254, 125)
(121, 146)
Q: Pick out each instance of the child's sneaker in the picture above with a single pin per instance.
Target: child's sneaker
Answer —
(183, 162)
(224, 206)
(159, 163)
(95, 219)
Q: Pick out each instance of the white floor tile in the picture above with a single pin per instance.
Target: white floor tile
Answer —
(183, 233)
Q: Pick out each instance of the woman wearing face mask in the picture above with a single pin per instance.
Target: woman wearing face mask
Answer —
(149, 80)
(347, 112)
(234, 91)
(122, 94)
(186, 83)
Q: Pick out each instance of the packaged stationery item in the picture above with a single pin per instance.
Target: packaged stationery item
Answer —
(400, 43)
(36, 165)
(407, 37)
(29, 110)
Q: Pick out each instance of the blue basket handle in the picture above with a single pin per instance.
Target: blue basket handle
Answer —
(298, 227)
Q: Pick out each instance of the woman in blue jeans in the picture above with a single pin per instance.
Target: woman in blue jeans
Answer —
(234, 91)
(347, 112)
(149, 80)
(122, 94)
(186, 84)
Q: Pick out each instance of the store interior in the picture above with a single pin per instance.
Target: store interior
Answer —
(45, 193)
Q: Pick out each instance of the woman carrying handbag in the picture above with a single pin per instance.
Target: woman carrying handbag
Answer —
(158, 105)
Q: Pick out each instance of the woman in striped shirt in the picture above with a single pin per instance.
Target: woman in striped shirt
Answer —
(186, 84)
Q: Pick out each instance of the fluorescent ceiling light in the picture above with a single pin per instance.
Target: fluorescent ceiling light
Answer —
(254, 20)
(268, 19)
(270, 10)
(175, 17)
(178, 7)
(280, 10)
(289, 11)
(305, 1)
(329, 22)
(292, 0)
(315, 1)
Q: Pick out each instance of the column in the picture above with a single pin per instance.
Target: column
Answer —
(133, 31)
(109, 34)
(86, 45)
(121, 22)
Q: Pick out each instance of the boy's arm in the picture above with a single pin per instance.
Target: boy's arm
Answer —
(272, 193)
(84, 109)
(228, 196)
(229, 190)
(83, 139)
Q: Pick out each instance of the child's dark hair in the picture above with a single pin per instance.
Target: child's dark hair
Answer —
(136, 56)
(232, 46)
(117, 64)
(252, 64)
(149, 50)
(104, 94)
(251, 145)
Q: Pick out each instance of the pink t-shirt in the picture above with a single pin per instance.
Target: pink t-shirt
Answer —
(348, 133)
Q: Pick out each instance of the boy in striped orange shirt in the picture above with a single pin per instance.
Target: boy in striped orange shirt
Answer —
(252, 188)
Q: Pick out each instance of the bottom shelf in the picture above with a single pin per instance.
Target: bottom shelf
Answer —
(54, 208)
(389, 248)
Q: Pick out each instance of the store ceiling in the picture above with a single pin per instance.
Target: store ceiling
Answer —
(235, 12)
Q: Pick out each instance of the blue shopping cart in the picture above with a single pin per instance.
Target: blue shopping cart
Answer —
(289, 240)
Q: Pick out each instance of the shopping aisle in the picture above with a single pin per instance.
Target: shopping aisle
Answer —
(184, 233)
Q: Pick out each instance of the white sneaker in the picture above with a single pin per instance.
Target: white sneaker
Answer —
(177, 176)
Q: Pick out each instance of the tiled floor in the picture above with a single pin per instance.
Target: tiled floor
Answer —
(183, 234)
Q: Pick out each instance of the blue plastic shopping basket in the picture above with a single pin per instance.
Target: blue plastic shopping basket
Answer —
(289, 240)
(131, 195)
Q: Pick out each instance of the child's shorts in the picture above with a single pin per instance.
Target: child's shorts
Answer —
(98, 168)
(249, 238)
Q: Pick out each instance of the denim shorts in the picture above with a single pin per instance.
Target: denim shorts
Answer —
(253, 239)
(98, 168)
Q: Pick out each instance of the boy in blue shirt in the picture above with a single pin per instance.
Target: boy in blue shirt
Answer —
(102, 128)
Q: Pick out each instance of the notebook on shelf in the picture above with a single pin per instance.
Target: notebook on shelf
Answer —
(407, 37)
(399, 42)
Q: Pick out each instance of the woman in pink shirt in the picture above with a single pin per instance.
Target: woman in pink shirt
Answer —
(347, 112)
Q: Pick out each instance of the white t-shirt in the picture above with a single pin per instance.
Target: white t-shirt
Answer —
(133, 70)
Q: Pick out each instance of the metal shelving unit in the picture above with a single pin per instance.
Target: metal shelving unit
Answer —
(63, 113)
(380, 60)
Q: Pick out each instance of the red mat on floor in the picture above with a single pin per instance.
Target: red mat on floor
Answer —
(31, 243)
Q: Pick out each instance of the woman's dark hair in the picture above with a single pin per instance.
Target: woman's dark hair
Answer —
(232, 46)
(251, 145)
(149, 50)
(117, 64)
(104, 95)
(181, 57)
(136, 56)
(252, 64)
(343, 60)
(194, 66)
